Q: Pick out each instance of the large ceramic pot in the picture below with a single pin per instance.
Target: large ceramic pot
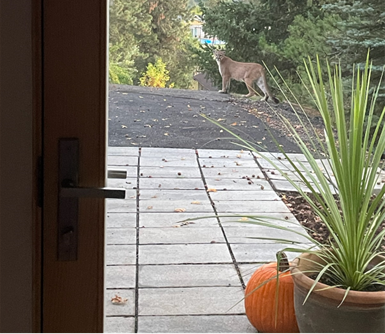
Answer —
(361, 312)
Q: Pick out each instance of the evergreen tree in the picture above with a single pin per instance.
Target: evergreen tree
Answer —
(362, 27)
(255, 31)
(129, 23)
(170, 39)
(141, 31)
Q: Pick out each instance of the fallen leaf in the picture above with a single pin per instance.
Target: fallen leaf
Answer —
(244, 219)
(149, 207)
(141, 97)
(118, 300)
(184, 224)
(235, 123)
(124, 126)
(166, 134)
(179, 210)
(196, 202)
(213, 190)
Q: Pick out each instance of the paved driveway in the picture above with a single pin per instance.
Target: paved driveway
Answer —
(171, 118)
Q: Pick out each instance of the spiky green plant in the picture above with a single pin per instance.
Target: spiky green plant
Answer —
(340, 191)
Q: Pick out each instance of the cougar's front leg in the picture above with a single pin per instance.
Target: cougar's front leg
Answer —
(225, 84)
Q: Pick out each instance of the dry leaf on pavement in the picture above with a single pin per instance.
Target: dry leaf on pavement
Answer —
(118, 300)
(179, 210)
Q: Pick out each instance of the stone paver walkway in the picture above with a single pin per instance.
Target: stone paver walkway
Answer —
(187, 276)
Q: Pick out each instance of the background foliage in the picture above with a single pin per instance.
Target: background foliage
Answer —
(282, 33)
(141, 31)
(279, 34)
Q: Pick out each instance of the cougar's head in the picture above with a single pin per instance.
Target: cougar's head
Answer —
(219, 54)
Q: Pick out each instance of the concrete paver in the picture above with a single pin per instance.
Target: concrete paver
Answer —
(180, 273)
(171, 219)
(120, 277)
(172, 172)
(120, 236)
(233, 195)
(247, 234)
(236, 173)
(259, 252)
(195, 324)
(184, 253)
(168, 183)
(172, 195)
(251, 206)
(181, 235)
(238, 184)
(120, 254)
(119, 219)
(194, 300)
(121, 205)
(188, 275)
(119, 325)
(122, 160)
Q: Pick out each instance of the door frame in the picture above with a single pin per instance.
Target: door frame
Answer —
(19, 241)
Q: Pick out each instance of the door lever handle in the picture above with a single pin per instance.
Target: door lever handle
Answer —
(68, 200)
(84, 192)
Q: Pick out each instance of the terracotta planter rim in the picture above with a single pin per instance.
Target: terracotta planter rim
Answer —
(361, 297)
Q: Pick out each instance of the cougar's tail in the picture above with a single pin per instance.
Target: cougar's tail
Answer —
(268, 92)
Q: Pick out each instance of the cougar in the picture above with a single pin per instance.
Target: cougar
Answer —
(246, 72)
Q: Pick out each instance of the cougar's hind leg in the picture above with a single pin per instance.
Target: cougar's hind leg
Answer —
(262, 87)
(249, 85)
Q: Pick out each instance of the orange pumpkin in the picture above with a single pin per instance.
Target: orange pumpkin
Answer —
(260, 304)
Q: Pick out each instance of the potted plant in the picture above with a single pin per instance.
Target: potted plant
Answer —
(339, 285)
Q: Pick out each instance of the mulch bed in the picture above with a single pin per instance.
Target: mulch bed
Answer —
(307, 218)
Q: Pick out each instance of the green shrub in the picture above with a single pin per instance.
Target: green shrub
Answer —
(156, 75)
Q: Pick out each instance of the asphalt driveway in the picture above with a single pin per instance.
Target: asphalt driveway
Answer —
(171, 118)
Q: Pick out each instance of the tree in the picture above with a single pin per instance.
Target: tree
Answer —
(128, 24)
(362, 25)
(170, 39)
(141, 31)
(255, 31)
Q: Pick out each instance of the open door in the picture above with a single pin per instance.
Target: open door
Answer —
(73, 95)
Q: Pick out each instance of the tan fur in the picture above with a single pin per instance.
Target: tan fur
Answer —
(249, 73)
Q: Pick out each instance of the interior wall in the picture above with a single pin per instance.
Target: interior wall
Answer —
(16, 167)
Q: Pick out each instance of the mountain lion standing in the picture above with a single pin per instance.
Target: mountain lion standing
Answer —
(246, 72)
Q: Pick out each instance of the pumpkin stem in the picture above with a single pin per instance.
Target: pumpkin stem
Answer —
(283, 262)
